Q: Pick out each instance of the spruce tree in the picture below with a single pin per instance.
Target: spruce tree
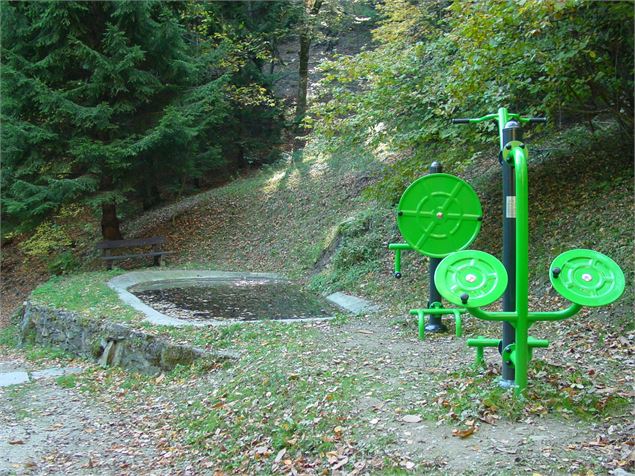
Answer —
(100, 100)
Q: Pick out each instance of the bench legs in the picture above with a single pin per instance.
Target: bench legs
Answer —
(157, 259)
(106, 252)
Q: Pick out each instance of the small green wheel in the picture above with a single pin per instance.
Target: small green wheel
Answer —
(471, 278)
(587, 277)
(439, 214)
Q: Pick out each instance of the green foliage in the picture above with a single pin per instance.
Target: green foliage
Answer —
(128, 109)
(48, 238)
(571, 60)
(61, 240)
(63, 263)
(358, 253)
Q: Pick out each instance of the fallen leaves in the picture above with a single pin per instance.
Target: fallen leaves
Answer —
(280, 455)
(489, 418)
(465, 432)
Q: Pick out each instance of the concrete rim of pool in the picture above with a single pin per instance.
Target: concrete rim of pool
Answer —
(121, 284)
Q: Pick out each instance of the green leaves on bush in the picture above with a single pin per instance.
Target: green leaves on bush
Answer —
(570, 60)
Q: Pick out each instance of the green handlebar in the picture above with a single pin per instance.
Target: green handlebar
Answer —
(399, 246)
(496, 116)
(483, 342)
(538, 343)
(503, 117)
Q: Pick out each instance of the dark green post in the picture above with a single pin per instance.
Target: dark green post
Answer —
(511, 131)
(434, 321)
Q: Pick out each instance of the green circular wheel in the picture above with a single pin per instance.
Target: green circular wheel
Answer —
(471, 278)
(439, 214)
(587, 277)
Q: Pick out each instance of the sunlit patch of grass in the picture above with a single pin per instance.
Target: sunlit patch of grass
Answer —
(10, 336)
(87, 293)
(283, 396)
(38, 352)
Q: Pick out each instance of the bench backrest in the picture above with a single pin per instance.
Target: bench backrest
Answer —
(153, 240)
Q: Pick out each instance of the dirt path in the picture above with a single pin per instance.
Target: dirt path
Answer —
(402, 415)
(541, 444)
(48, 429)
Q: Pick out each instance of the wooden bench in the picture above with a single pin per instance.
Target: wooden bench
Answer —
(155, 243)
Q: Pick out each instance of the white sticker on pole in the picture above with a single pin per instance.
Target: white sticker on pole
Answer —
(510, 207)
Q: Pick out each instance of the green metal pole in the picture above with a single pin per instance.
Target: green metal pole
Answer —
(503, 118)
(522, 267)
(483, 342)
(480, 356)
(572, 310)
(398, 248)
(458, 323)
(492, 316)
(435, 324)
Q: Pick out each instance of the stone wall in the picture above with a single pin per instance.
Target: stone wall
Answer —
(110, 344)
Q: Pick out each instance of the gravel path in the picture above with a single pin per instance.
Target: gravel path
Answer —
(48, 429)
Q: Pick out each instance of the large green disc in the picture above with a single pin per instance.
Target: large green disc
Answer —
(439, 214)
(587, 277)
(471, 278)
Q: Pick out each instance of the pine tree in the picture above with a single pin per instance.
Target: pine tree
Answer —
(100, 100)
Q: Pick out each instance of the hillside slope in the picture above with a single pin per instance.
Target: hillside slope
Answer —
(309, 218)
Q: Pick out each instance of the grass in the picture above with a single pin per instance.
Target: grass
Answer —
(293, 403)
(38, 352)
(86, 293)
(554, 390)
(10, 336)
(66, 381)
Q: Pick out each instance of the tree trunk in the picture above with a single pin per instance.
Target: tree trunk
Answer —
(303, 83)
(311, 8)
(109, 222)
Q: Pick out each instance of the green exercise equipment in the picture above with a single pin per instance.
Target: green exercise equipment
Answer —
(587, 277)
(438, 214)
(471, 277)
(437, 309)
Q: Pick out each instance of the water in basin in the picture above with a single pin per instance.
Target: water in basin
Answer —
(232, 300)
